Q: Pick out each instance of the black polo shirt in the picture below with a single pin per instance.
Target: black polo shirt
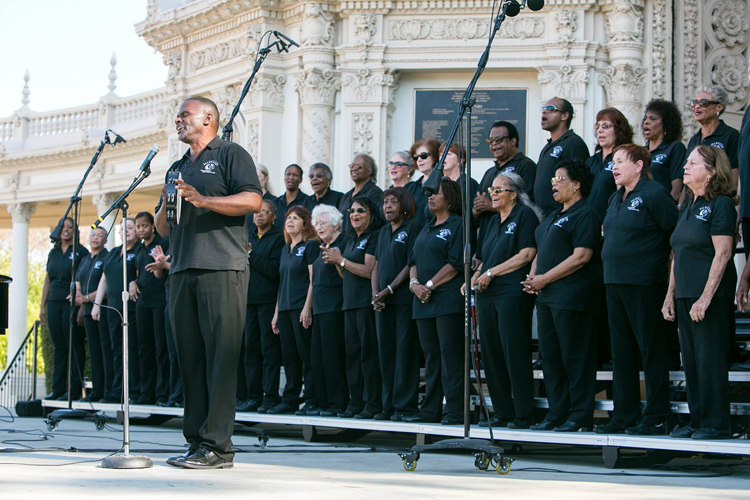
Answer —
(265, 258)
(331, 197)
(636, 235)
(394, 248)
(568, 147)
(694, 249)
(370, 191)
(250, 221)
(113, 272)
(59, 270)
(282, 207)
(604, 182)
(744, 163)
(152, 291)
(294, 274)
(328, 286)
(89, 274)
(724, 137)
(358, 290)
(436, 246)
(557, 236)
(519, 164)
(420, 198)
(668, 163)
(205, 239)
(504, 240)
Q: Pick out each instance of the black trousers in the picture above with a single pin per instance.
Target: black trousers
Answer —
(567, 340)
(638, 331)
(505, 336)
(295, 349)
(362, 365)
(207, 310)
(153, 356)
(175, 376)
(442, 340)
(705, 356)
(262, 360)
(100, 354)
(58, 321)
(398, 350)
(114, 321)
(328, 360)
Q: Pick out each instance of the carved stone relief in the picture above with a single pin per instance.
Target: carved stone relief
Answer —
(238, 47)
(566, 23)
(463, 29)
(362, 133)
(364, 86)
(624, 23)
(253, 139)
(318, 27)
(168, 113)
(659, 49)
(21, 212)
(565, 82)
(730, 72)
(317, 86)
(730, 23)
(364, 30)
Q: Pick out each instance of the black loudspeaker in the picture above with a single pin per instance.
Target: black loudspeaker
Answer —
(29, 408)
(4, 284)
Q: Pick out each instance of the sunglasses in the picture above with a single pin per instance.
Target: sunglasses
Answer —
(397, 164)
(603, 126)
(558, 180)
(357, 210)
(318, 175)
(355, 166)
(703, 103)
(422, 156)
(497, 190)
(549, 108)
(491, 140)
(264, 212)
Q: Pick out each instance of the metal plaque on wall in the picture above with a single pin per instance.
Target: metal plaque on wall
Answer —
(436, 110)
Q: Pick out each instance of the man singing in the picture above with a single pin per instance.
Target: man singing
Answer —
(208, 279)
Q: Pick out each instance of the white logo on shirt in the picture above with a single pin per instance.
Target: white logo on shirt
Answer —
(556, 152)
(362, 244)
(131, 256)
(401, 237)
(300, 252)
(705, 212)
(660, 158)
(210, 166)
(98, 264)
(609, 166)
(562, 221)
(509, 169)
(443, 234)
(511, 229)
(717, 144)
(634, 203)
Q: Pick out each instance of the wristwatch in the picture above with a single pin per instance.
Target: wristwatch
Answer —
(489, 273)
(342, 263)
(429, 284)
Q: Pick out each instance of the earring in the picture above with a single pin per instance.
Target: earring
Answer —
(717, 113)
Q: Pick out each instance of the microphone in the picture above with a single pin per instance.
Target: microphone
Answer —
(535, 5)
(57, 232)
(512, 8)
(118, 138)
(147, 162)
(432, 184)
(288, 40)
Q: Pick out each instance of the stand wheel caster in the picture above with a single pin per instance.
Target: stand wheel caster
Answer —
(263, 440)
(99, 425)
(51, 426)
(410, 465)
(502, 466)
(482, 462)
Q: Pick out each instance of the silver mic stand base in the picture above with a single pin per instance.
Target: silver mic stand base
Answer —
(127, 462)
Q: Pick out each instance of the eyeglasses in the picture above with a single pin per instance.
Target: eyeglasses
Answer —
(264, 212)
(703, 103)
(491, 140)
(397, 164)
(603, 126)
(358, 210)
(558, 180)
(356, 166)
(498, 190)
(318, 175)
(549, 108)
(422, 156)
(319, 223)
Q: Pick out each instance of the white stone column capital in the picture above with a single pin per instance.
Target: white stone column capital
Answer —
(103, 201)
(21, 212)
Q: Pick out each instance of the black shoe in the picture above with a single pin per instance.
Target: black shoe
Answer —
(308, 410)
(711, 433)
(614, 426)
(63, 397)
(383, 415)
(331, 412)
(346, 414)
(520, 423)
(93, 398)
(267, 405)
(204, 459)
(544, 425)
(682, 432)
(495, 421)
(421, 419)
(647, 429)
(397, 417)
(570, 426)
(146, 400)
(282, 408)
(163, 404)
(177, 458)
(179, 404)
(53, 396)
(452, 420)
(364, 415)
(249, 405)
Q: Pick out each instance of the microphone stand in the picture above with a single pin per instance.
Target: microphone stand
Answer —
(125, 460)
(485, 452)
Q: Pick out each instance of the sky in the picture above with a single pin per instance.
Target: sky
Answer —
(66, 45)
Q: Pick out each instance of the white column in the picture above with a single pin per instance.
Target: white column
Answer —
(103, 202)
(19, 271)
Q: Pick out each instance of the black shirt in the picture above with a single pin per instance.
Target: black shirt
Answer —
(265, 258)
(331, 197)
(295, 275)
(205, 239)
(59, 270)
(370, 191)
(636, 235)
(282, 207)
(152, 291)
(568, 147)
(328, 286)
(420, 198)
(724, 137)
(89, 273)
(113, 272)
(668, 163)
(694, 249)
(604, 183)
(394, 248)
(519, 164)
(557, 236)
(358, 290)
(744, 163)
(436, 246)
(504, 240)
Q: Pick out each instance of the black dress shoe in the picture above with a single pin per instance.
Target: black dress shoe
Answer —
(520, 423)
(682, 432)
(53, 396)
(421, 419)
(331, 412)
(397, 417)
(569, 426)
(383, 415)
(647, 429)
(495, 421)
(364, 415)
(63, 397)
(163, 404)
(177, 458)
(92, 398)
(204, 459)
(614, 426)
(267, 405)
(711, 433)
(249, 405)
(308, 410)
(452, 420)
(346, 414)
(544, 425)
(282, 409)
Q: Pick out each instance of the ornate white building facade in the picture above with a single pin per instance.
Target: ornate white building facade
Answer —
(350, 87)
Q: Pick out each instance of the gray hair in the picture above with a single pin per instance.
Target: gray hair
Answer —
(516, 184)
(264, 171)
(406, 157)
(718, 93)
(373, 167)
(333, 214)
(322, 166)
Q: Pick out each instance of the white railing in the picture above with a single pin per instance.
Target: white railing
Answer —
(64, 121)
(6, 130)
(140, 107)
